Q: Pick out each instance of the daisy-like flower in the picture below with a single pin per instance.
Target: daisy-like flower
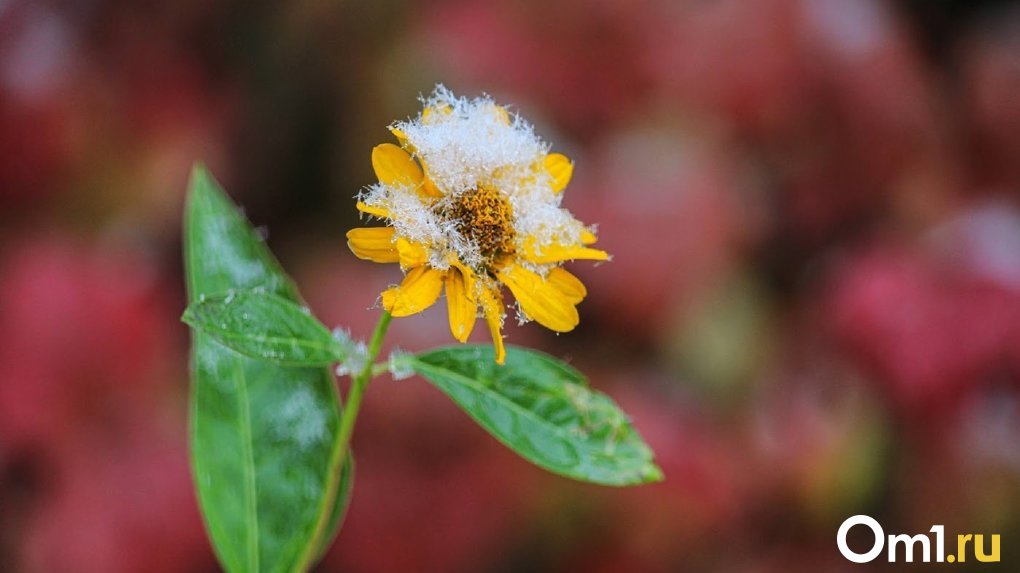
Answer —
(471, 200)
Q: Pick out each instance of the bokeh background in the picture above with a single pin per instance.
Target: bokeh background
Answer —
(813, 310)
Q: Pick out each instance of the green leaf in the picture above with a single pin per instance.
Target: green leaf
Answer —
(267, 326)
(542, 409)
(264, 449)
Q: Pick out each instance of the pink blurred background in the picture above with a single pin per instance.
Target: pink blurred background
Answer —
(813, 310)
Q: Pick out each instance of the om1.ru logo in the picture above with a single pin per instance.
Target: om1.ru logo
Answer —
(909, 544)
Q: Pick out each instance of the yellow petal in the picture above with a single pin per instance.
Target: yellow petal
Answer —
(569, 286)
(501, 114)
(410, 254)
(460, 304)
(559, 253)
(429, 188)
(588, 237)
(400, 135)
(541, 300)
(418, 291)
(492, 308)
(561, 170)
(429, 112)
(393, 166)
(373, 244)
(375, 211)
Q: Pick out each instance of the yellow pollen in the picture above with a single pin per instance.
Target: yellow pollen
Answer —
(484, 216)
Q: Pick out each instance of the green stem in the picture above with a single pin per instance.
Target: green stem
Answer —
(350, 415)
(359, 381)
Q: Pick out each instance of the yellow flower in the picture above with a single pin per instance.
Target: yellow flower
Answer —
(471, 198)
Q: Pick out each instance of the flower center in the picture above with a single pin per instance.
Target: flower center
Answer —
(484, 216)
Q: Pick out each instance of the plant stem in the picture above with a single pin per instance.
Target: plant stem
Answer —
(359, 381)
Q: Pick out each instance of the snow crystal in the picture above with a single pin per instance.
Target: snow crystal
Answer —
(300, 419)
(355, 361)
(399, 365)
(467, 144)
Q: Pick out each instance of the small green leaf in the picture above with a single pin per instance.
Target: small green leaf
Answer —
(542, 409)
(264, 438)
(267, 326)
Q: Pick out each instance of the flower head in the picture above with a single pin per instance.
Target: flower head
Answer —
(471, 200)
